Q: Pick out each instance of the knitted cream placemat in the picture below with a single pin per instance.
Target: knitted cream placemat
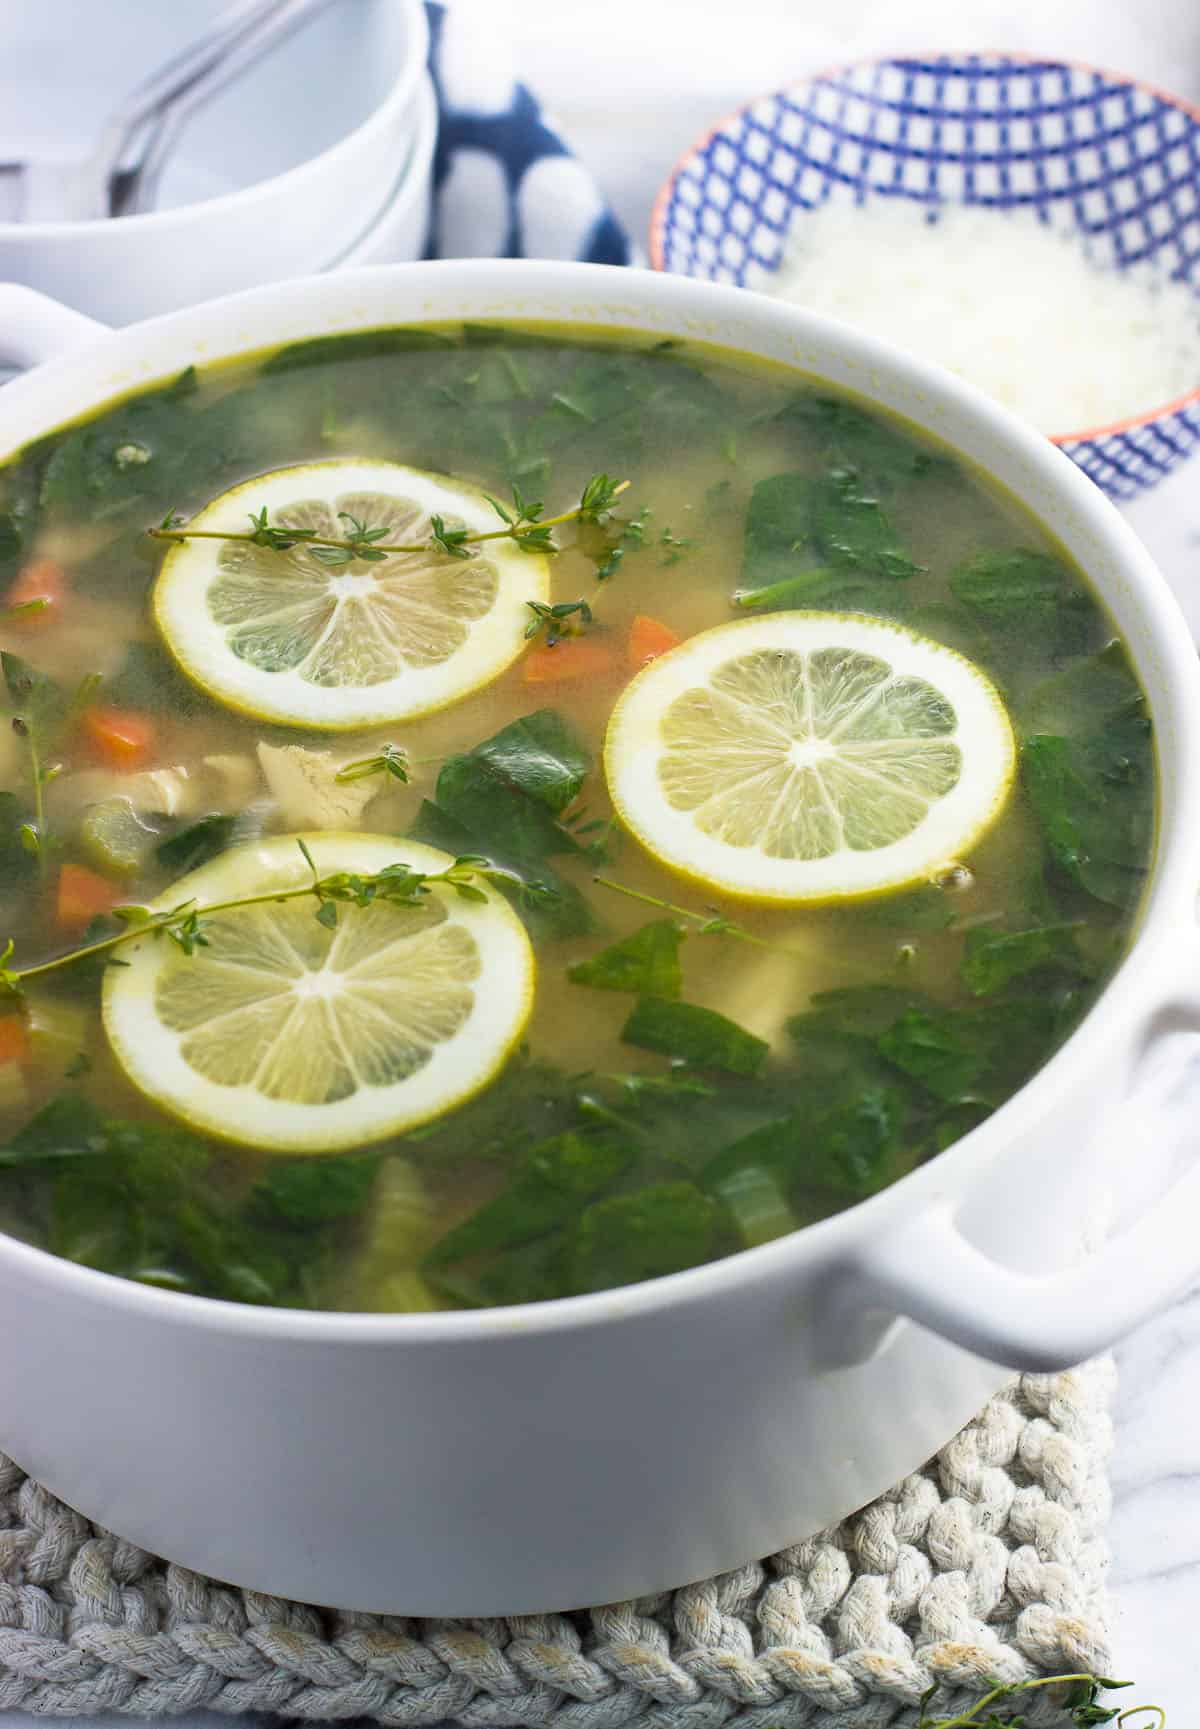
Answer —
(987, 1564)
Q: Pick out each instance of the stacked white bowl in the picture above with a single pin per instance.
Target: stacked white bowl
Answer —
(318, 157)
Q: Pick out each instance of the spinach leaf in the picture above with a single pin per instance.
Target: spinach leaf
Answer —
(756, 1203)
(850, 437)
(857, 1011)
(1094, 695)
(502, 799)
(644, 1235)
(20, 482)
(314, 1191)
(972, 1056)
(950, 623)
(138, 1202)
(196, 844)
(1020, 1034)
(531, 1272)
(548, 1187)
(830, 589)
(779, 531)
(435, 827)
(940, 1050)
(817, 533)
(690, 1034)
(646, 961)
(513, 828)
(134, 450)
(846, 1143)
(121, 1210)
(852, 1146)
(776, 1147)
(355, 345)
(852, 531)
(1018, 589)
(37, 699)
(18, 866)
(477, 335)
(993, 959)
(11, 538)
(69, 1127)
(604, 405)
(1090, 779)
(540, 756)
(1095, 810)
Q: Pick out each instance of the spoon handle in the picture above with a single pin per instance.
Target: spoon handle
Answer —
(166, 85)
(252, 43)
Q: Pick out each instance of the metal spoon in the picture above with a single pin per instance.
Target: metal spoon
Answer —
(140, 135)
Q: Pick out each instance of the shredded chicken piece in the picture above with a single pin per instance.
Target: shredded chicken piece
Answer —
(153, 791)
(230, 780)
(305, 786)
(221, 783)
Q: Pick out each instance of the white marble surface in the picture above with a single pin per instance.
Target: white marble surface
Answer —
(633, 82)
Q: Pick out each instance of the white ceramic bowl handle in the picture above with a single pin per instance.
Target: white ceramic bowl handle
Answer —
(928, 1271)
(33, 327)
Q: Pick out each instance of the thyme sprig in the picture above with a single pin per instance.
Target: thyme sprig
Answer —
(186, 924)
(22, 609)
(43, 717)
(523, 524)
(551, 619)
(390, 760)
(707, 923)
(1082, 1704)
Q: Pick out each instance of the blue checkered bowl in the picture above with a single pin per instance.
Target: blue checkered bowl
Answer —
(1117, 161)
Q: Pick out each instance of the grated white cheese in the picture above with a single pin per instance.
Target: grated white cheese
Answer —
(1010, 303)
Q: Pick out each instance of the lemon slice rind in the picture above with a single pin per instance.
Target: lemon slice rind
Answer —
(316, 694)
(463, 1054)
(637, 753)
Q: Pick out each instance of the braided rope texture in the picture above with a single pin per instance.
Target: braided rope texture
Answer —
(988, 1564)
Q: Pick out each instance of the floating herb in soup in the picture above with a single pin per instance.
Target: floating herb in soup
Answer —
(537, 811)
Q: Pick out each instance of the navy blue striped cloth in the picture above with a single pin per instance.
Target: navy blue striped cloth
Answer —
(505, 184)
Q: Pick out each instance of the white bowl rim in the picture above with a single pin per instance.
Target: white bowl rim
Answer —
(1163, 411)
(414, 179)
(1154, 951)
(165, 222)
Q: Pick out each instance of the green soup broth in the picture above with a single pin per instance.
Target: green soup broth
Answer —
(629, 1137)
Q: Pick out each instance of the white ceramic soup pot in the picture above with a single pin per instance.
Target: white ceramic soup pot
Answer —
(599, 1447)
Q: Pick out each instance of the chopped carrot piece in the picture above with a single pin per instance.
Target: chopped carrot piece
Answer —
(14, 1040)
(82, 896)
(120, 736)
(41, 579)
(568, 661)
(648, 638)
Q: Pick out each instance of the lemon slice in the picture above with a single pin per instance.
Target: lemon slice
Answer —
(284, 1034)
(291, 637)
(809, 757)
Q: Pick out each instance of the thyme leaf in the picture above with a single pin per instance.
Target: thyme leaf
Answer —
(389, 760)
(186, 925)
(551, 619)
(523, 524)
(1081, 1703)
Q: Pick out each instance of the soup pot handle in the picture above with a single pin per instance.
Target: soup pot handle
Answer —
(927, 1270)
(33, 327)
(931, 1274)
